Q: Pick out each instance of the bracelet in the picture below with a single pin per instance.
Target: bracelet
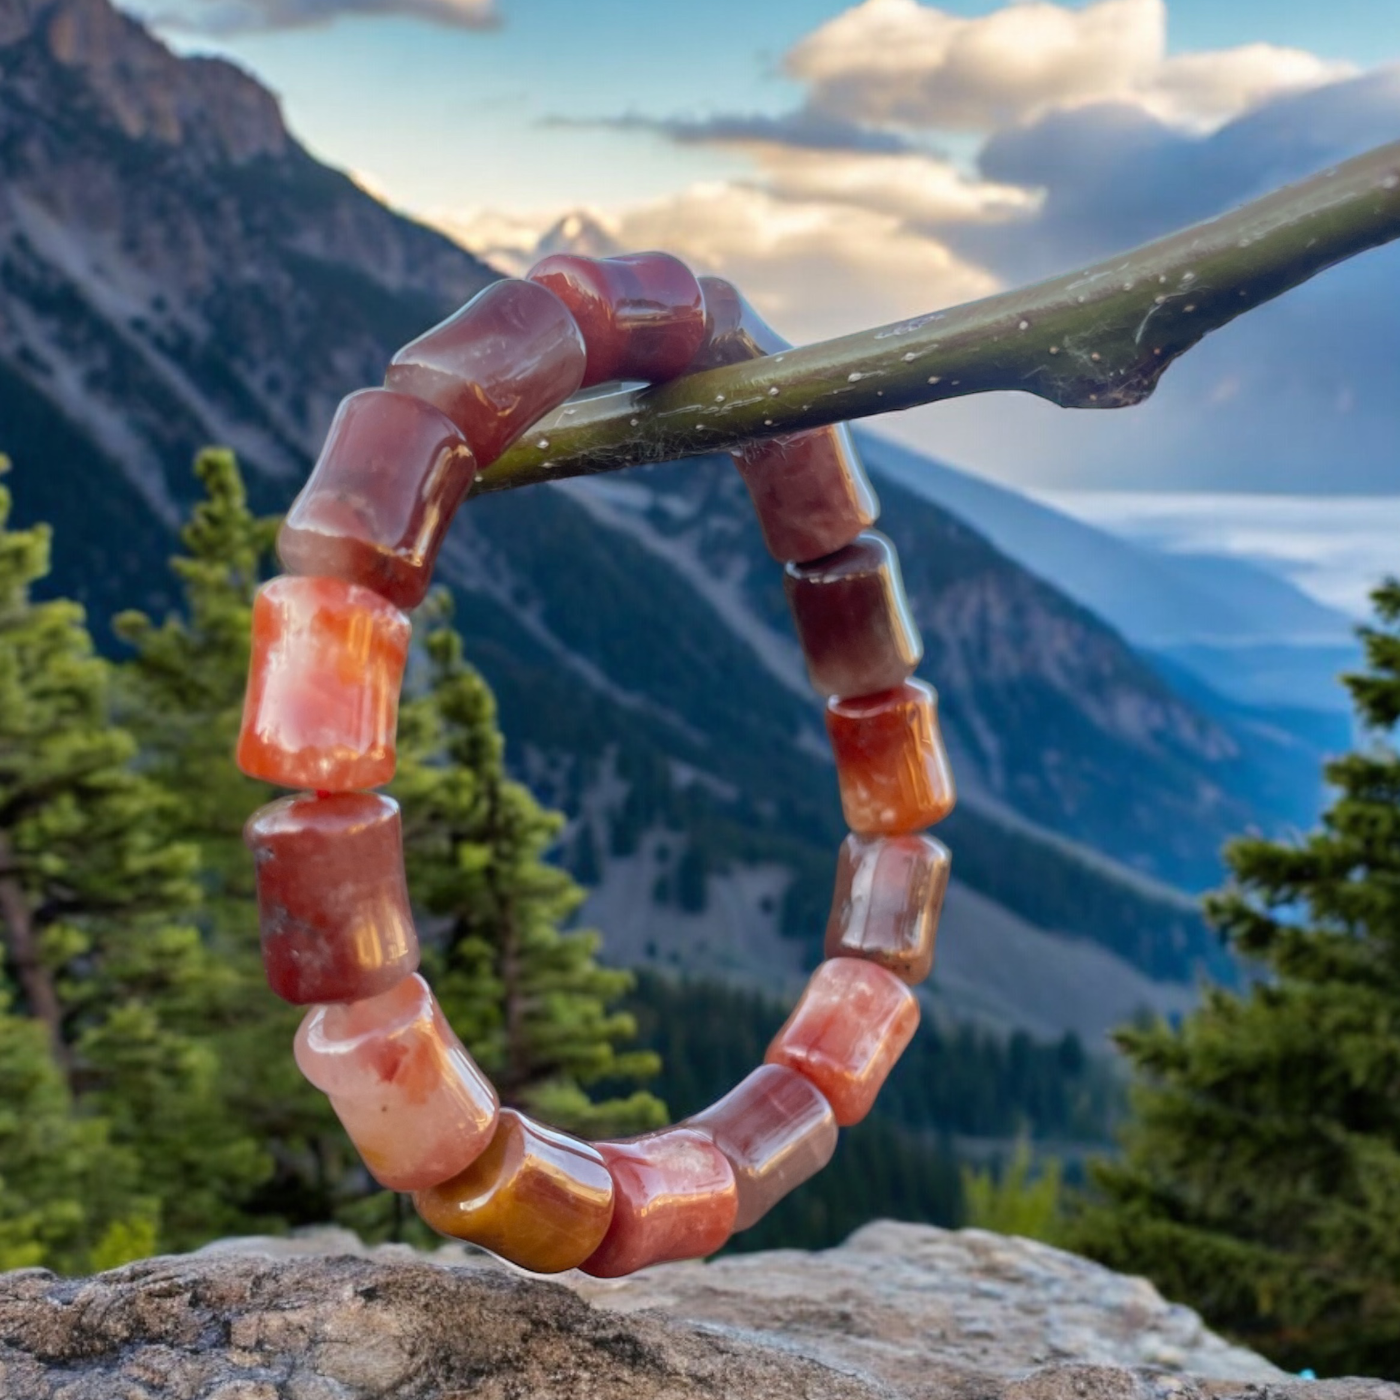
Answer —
(330, 642)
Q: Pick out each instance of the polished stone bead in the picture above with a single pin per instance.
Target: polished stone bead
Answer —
(378, 503)
(734, 331)
(332, 898)
(322, 702)
(889, 893)
(642, 315)
(502, 362)
(674, 1198)
(537, 1197)
(412, 1100)
(809, 490)
(853, 619)
(890, 760)
(846, 1032)
(776, 1129)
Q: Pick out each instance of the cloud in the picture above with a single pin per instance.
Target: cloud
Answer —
(812, 266)
(803, 129)
(899, 62)
(225, 17)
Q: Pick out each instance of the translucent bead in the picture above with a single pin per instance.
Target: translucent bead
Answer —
(846, 1032)
(776, 1130)
(412, 1100)
(853, 619)
(674, 1198)
(537, 1197)
(507, 358)
(890, 760)
(734, 331)
(889, 893)
(642, 315)
(376, 508)
(809, 490)
(332, 899)
(322, 702)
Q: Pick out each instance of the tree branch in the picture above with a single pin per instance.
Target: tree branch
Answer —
(1099, 338)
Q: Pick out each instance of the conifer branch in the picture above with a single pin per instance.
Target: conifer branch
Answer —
(1098, 338)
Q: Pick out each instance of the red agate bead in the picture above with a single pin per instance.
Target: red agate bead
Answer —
(507, 358)
(642, 315)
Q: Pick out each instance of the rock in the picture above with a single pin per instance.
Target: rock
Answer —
(899, 1312)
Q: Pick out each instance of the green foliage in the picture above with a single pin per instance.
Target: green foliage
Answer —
(530, 1002)
(1261, 1175)
(1015, 1201)
(97, 956)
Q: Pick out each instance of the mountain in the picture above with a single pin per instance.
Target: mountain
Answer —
(175, 269)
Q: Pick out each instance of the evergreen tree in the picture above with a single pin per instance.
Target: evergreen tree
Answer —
(95, 953)
(182, 695)
(529, 1001)
(1260, 1180)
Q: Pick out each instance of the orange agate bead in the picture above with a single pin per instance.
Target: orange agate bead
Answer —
(890, 760)
(414, 1103)
(322, 702)
(674, 1198)
(846, 1032)
(889, 893)
(537, 1197)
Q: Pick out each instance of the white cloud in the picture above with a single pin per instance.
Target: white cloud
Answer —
(815, 261)
(905, 63)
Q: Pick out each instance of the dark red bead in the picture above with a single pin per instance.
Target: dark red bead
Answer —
(332, 898)
(642, 315)
(734, 331)
(378, 503)
(502, 362)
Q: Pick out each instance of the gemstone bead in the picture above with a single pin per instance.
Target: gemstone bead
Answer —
(674, 1198)
(889, 893)
(537, 1197)
(323, 685)
(734, 331)
(332, 898)
(890, 760)
(776, 1130)
(846, 1032)
(809, 490)
(378, 503)
(508, 357)
(412, 1100)
(642, 315)
(853, 619)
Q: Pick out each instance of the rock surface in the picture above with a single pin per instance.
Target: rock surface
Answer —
(899, 1312)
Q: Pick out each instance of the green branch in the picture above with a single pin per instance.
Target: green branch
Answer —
(1099, 338)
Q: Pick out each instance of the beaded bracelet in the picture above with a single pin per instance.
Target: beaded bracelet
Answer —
(330, 641)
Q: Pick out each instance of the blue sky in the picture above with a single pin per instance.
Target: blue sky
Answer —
(854, 163)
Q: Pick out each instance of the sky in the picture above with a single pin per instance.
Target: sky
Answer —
(853, 164)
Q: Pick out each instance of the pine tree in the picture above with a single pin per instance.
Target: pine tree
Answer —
(97, 956)
(529, 1001)
(1260, 1180)
(182, 695)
